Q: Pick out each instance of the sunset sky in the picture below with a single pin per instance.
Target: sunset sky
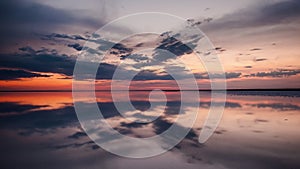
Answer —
(257, 41)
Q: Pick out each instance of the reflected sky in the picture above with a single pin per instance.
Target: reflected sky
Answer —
(258, 130)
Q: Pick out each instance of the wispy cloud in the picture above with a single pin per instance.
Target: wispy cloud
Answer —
(269, 14)
(260, 59)
(277, 73)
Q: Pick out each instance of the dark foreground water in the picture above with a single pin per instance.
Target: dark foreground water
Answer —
(258, 130)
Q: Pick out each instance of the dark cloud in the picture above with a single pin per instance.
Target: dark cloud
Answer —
(121, 49)
(174, 46)
(151, 75)
(248, 67)
(53, 36)
(7, 74)
(232, 75)
(30, 51)
(255, 49)
(76, 46)
(261, 121)
(220, 49)
(277, 73)
(260, 60)
(37, 61)
(27, 49)
(124, 131)
(77, 135)
(133, 125)
(136, 57)
(118, 49)
(22, 19)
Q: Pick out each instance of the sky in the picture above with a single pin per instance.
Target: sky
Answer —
(257, 42)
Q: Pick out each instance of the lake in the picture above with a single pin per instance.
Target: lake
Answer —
(258, 129)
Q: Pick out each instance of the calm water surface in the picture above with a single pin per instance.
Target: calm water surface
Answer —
(258, 130)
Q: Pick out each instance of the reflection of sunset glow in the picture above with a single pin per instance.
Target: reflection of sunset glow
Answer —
(50, 100)
(60, 99)
(259, 122)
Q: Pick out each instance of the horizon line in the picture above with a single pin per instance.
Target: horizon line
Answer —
(168, 90)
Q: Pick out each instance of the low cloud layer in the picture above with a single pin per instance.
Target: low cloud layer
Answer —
(7, 74)
(277, 73)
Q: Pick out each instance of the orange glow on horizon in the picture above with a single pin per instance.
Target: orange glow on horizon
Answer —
(57, 82)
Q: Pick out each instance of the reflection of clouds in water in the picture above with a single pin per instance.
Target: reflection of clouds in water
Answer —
(52, 148)
(278, 106)
(266, 140)
(266, 93)
(41, 119)
(17, 108)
